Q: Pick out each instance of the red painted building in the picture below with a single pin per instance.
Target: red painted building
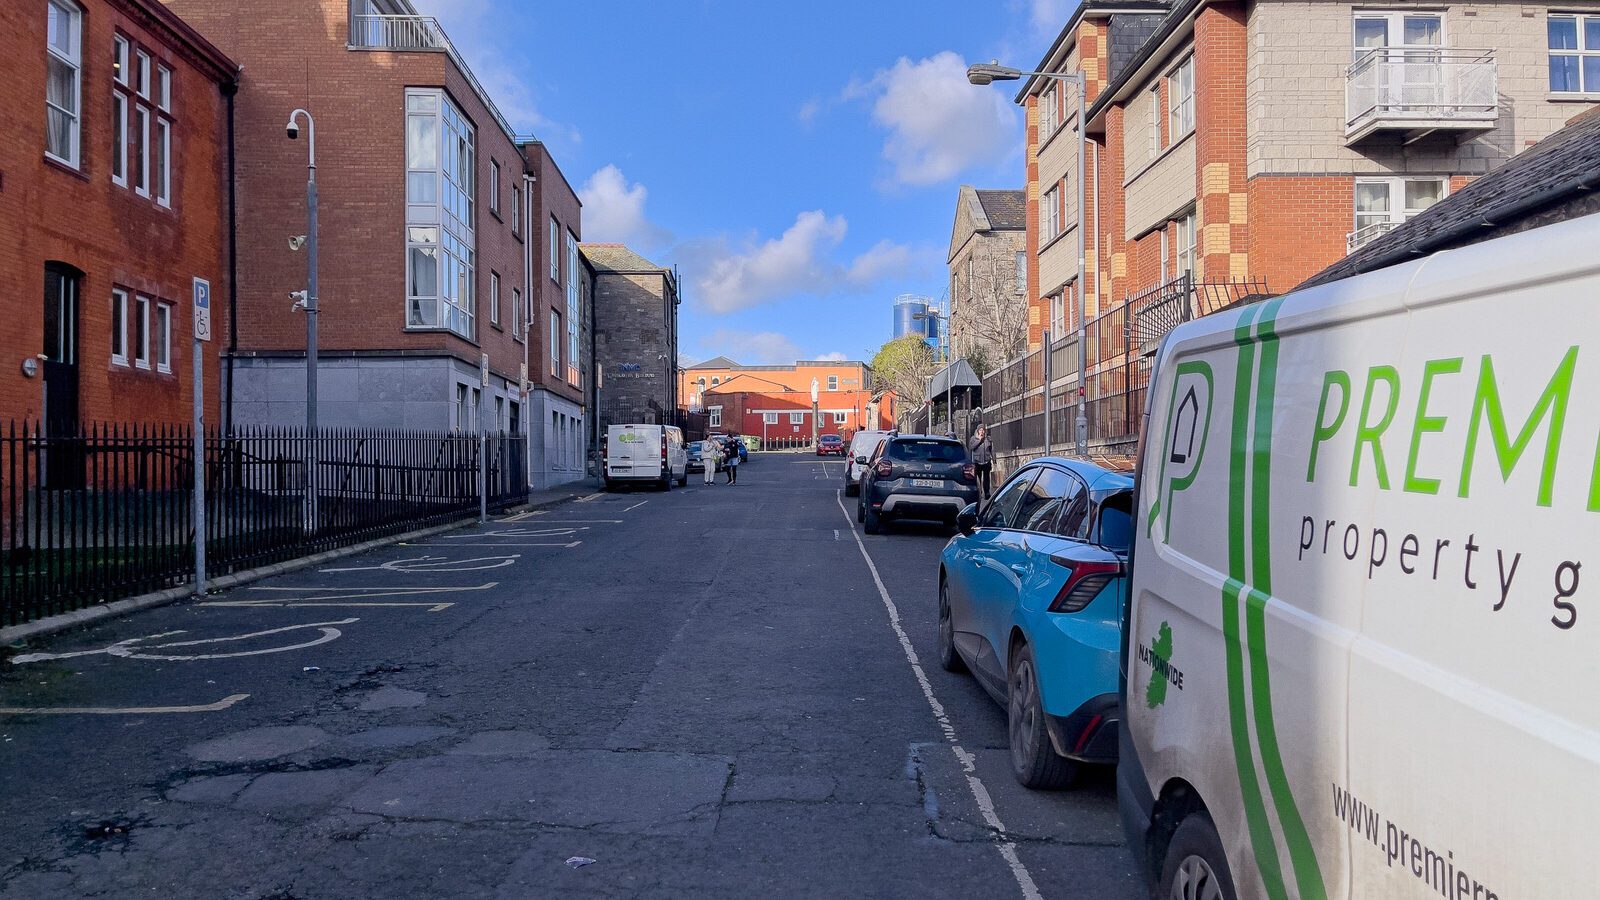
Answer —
(746, 406)
(113, 201)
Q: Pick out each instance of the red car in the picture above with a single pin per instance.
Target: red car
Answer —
(830, 444)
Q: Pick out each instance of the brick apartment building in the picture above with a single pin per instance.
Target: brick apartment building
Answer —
(775, 401)
(559, 345)
(113, 201)
(423, 218)
(635, 311)
(988, 263)
(1266, 139)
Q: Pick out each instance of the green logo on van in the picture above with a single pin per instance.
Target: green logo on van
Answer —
(1184, 445)
(1158, 656)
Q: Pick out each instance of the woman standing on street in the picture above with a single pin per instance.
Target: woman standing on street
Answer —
(982, 460)
(710, 452)
(733, 447)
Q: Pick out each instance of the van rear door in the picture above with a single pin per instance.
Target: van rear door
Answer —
(635, 451)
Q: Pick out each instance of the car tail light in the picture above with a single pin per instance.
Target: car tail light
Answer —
(969, 473)
(883, 469)
(1086, 580)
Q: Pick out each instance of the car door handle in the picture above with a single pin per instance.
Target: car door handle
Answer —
(1019, 569)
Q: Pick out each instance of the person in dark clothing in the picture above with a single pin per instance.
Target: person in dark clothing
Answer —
(733, 458)
(982, 460)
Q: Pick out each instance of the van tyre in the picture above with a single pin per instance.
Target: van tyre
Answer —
(1196, 868)
(949, 659)
(851, 489)
(861, 510)
(683, 480)
(1034, 761)
(871, 520)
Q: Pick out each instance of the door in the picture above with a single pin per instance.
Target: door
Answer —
(1027, 551)
(63, 455)
(1406, 50)
(986, 585)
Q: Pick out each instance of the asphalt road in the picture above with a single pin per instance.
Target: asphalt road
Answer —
(703, 691)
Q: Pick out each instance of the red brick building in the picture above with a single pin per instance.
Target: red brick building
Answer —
(423, 218)
(746, 405)
(113, 201)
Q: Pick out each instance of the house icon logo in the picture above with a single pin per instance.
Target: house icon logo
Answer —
(1185, 427)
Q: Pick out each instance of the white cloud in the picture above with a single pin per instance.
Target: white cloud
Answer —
(835, 356)
(480, 33)
(1048, 17)
(613, 210)
(809, 111)
(727, 278)
(761, 348)
(939, 124)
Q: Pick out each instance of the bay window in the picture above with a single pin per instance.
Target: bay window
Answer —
(441, 243)
(574, 317)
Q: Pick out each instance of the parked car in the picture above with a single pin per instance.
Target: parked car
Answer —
(830, 445)
(1343, 659)
(916, 476)
(647, 454)
(697, 455)
(862, 446)
(1030, 602)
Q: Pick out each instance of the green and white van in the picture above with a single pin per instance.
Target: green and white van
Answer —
(1361, 661)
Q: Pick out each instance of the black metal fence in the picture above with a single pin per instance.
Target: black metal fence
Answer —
(101, 512)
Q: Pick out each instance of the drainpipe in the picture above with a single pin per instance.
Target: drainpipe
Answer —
(527, 314)
(230, 91)
(1097, 265)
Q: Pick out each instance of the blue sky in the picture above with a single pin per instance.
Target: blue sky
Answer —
(798, 162)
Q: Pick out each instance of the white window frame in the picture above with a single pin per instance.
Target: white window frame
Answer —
(1155, 119)
(1166, 253)
(1188, 245)
(441, 225)
(770, 418)
(714, 416)
(833, 382)
(73, 58)
(1180, 101)
(120, 54)
(797, 418)
(1049, 121)
(163, 336)
(516, 314)
(1398, 212)
(1022, 272)
(1050, 214)
(494, 186)
(516, 209)
(120, 310)
(555, 250)
(555, 344)
(494, 297)
(574, 313)
(163, 140)
(1581, 53)
(141, 331)
(841, 418)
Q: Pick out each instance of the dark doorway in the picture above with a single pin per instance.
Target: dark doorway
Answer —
(63, 455)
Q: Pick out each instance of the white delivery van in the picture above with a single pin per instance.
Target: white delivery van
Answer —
(648, 454)
(1360, 661)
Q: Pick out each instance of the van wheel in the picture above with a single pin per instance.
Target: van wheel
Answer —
(872, 520)
(851, 489)
(949, 659)
(683, 480)
(1196, 867)
(861, 508)
(1034, 761)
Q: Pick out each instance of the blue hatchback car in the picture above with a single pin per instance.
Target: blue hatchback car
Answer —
(1030, 601)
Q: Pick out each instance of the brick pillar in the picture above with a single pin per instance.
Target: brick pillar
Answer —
(1220, 47)
(1038, 307)
(1113, 212)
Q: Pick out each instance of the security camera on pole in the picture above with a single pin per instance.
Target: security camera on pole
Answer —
(307, 301)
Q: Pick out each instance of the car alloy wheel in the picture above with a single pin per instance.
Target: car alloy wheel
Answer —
(949, 659)
(1194, 880)
(1034, 761)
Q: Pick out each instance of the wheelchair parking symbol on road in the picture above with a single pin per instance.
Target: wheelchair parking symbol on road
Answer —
(431, 564)
(136, 648)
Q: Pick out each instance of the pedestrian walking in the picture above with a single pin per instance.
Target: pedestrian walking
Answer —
(710, 452)
(982, 460)
(735, 455)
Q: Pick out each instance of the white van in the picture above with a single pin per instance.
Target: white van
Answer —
(1359, 659)
(861, 447)
(646, 454)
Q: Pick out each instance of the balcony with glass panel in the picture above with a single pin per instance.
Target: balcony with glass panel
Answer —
(1419, 91)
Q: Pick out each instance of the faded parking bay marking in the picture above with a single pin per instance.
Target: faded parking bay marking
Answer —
(353, 597)
(434, 564)
(128, 650)
(218, 706)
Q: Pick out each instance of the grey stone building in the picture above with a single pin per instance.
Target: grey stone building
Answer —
(989, 276)
(635, 337)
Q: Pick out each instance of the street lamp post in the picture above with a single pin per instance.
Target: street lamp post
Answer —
(988, 73)
(814, 413)
(309, 304)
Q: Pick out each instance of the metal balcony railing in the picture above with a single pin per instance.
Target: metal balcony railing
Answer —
(1420, 90)
(1366, 234)
(414, 34)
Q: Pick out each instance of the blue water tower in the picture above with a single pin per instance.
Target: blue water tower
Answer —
(907, 308)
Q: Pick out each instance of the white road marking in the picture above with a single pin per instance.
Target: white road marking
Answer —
(513, 532)
(518, 517)
(836, 534)
(980, 793)
(588, 498)
(581, 521)
(127, 650)
(567, 546)
(636, 506)
(355, 597)
(218, 706)
(434, 564)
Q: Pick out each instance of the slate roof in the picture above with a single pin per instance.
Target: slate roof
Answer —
(617, 258)
(1007, 210)
(716, 362)
(1562, 167)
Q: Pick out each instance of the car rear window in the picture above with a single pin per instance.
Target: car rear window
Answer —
(1116, 522)
(927, 451)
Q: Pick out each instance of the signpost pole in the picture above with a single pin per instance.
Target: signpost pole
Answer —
(202, 333)
(483, 441)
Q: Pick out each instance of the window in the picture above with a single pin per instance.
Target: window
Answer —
(1166, 254)
(494, 187)
(1379, 31)
(462, 409)
(163, 337)
(494, 298)
(1188, 247)
(555, 251)
(574, 318)
(797, 418)
(1155, 119)
(767, 418)
(1022, 271)
(1180, 100)
(1045, 498)
(119, 111)
(1050, 214)
(441, 242)
(833, 382)
(516, 313)
(555, 344)
(715, 381)
(119, 327)
(1049, 121)
(161, 148)
(516, 210)
(1002, 511)
(141, 332)
(63, 81)
(1574, 54)
(1383, 203)
(840, 418)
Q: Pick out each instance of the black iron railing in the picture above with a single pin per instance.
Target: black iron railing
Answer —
(95, 513)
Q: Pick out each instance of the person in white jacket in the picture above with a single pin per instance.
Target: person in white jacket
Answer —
(710, 452)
